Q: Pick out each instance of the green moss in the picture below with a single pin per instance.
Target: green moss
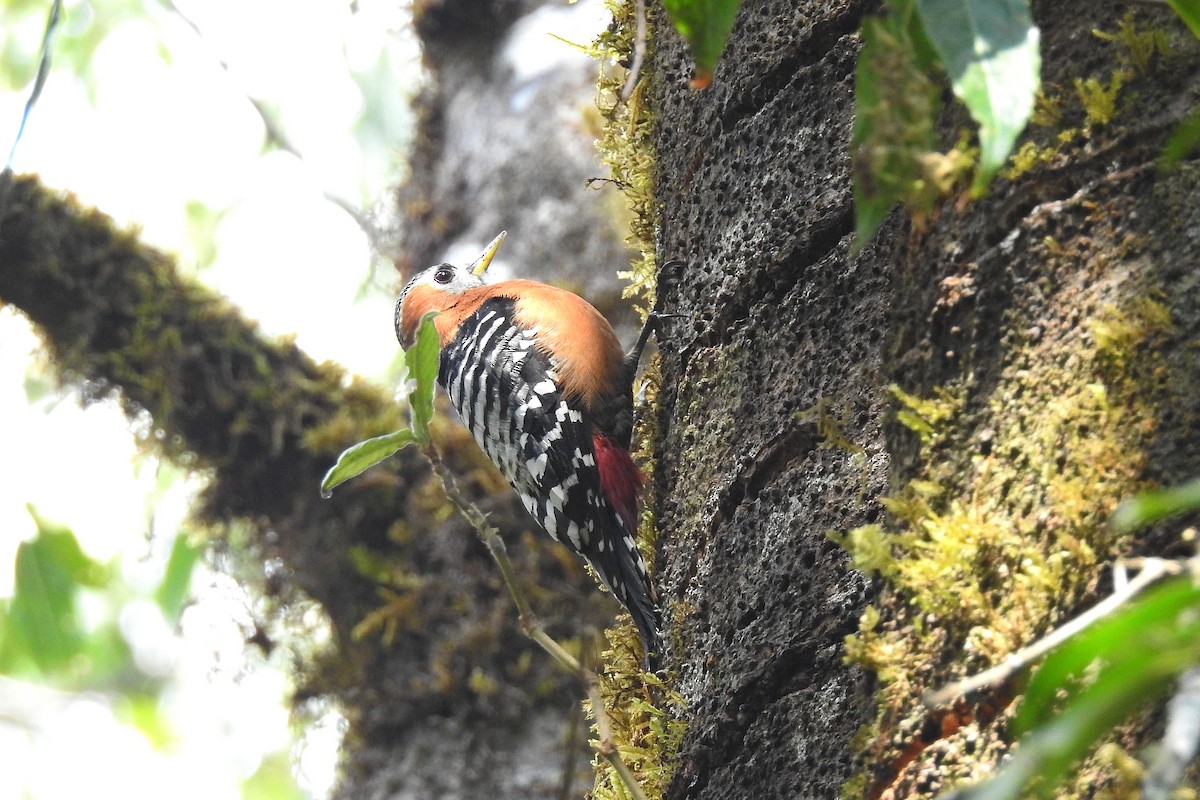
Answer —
(1142, 45)
(1002, 525)
(647, 719)
(1096, 101)
(626, 145)
(1099, 98)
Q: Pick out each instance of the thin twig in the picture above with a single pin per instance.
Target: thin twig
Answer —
(604, 744)
(276, 136)
(530, 623)
(495, 544)
(1151, 570)
(639, 51)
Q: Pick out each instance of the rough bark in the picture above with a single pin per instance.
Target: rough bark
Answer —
(1071, 280)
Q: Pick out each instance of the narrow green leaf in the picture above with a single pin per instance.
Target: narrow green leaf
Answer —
(705, 25)
(1189, 12)
(172, 592)
(363, 456)
(895, 104)
(422, 361)
(1182, 142)
(1151, 619)
(1141, 650)
(989, 49)
(1147, 508)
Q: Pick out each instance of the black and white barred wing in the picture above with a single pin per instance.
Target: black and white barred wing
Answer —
(506, 392)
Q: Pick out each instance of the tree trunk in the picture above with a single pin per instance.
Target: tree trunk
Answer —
(1040, 338)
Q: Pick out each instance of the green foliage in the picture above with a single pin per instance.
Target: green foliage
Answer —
(1147, 508)
(43, 634)
(893, 140)
(358, 458)
(1189, 12)
(1139, 652)
(705, 24)
(43, 626)
(1183, 141)
(422, 362)
(172, 593)
(988, 49)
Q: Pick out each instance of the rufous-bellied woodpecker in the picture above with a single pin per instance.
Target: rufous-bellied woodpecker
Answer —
(538, 376)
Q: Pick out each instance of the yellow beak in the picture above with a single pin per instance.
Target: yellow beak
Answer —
(480, 265)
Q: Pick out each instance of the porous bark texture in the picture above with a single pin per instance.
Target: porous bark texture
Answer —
(771, 415)
(1049, 323)
(1044, 335)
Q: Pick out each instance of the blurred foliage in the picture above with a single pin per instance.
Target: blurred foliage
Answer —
(47, 638)
(1100, 677)
(705, 24)
(989, 52)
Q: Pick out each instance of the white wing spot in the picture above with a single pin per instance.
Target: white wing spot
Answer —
(573, 535)
(537, 466)
(545, 387)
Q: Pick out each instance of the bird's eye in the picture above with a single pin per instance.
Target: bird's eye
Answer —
(443, 275)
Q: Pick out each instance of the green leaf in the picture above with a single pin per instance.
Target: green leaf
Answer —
(362, 456)
(172, 592)
(989, 48)
(705, 24)
(1152, 619)
(1182, 142)
(422, 361)
(1149, 507)
(1189, 12)
(44, 628)
(895, 104)
(1140, 651)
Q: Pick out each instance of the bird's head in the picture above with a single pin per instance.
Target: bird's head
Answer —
(442, 287)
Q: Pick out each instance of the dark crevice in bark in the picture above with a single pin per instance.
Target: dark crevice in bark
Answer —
(821, 40)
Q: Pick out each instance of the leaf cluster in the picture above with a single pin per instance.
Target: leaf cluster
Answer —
(988, 49)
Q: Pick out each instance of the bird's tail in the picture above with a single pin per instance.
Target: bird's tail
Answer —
(634, 591)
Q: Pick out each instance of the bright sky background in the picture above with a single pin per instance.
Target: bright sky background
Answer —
(155, 126)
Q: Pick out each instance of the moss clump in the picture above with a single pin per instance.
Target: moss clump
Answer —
(1003, 525)
(1096, 100)
(647, 719)
(625, 144)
